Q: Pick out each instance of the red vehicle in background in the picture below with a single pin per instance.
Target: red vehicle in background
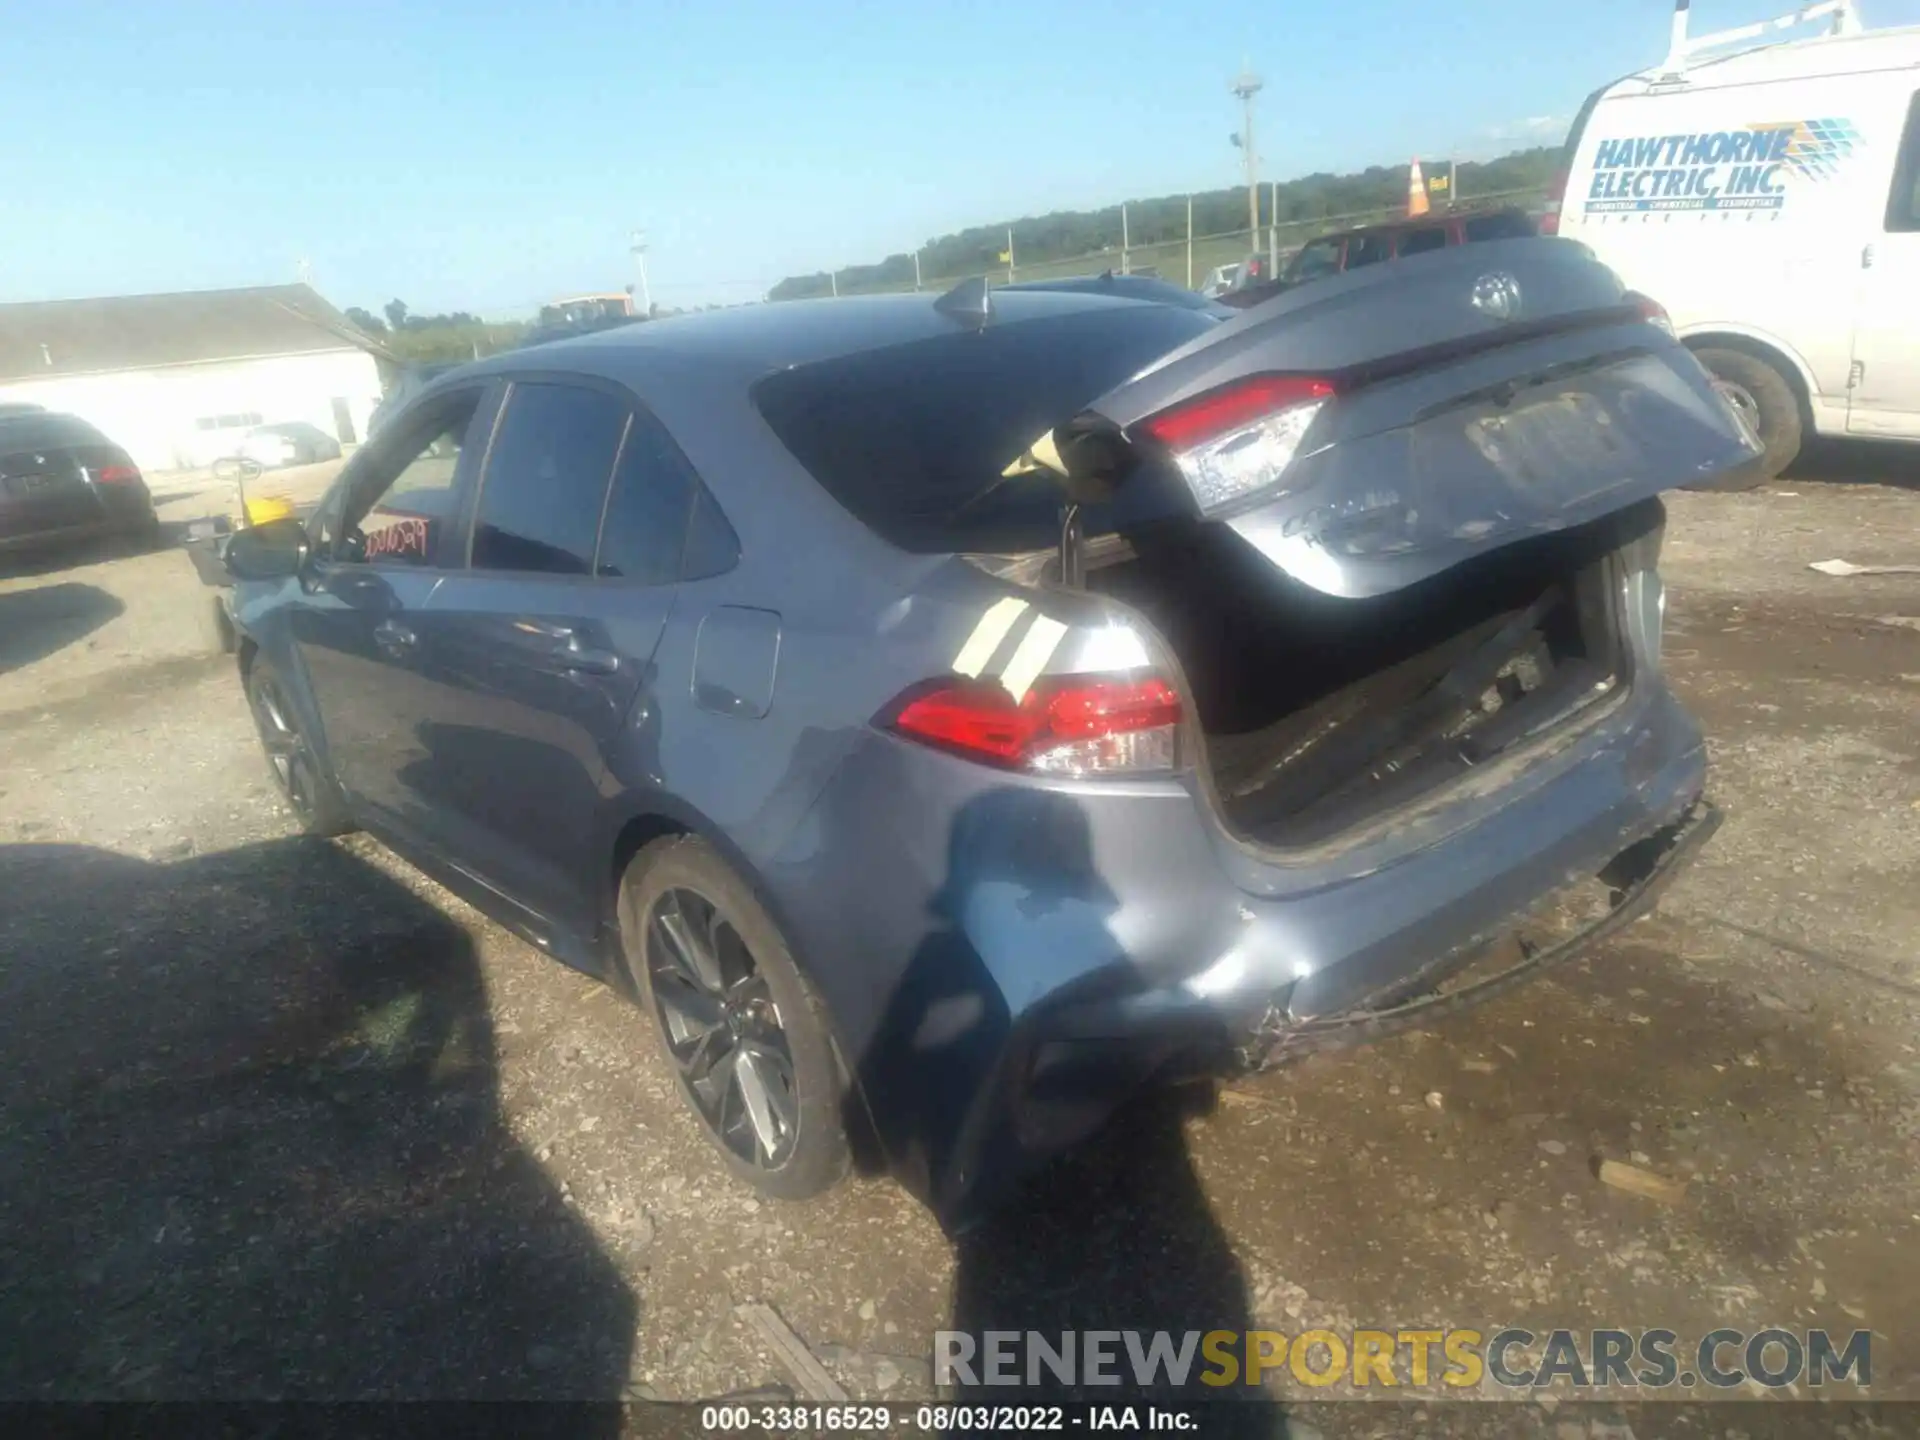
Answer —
(1391, 240)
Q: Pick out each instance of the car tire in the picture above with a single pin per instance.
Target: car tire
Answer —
(1767, 399)
(762, 1080)
(305, 786)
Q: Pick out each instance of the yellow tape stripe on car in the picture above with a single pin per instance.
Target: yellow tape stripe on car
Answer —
(987, 635)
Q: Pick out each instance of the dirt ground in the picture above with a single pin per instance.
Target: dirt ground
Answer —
(279, 1117)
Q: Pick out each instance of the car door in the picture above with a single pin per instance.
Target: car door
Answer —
(1884, 396)
(381, 543)
(578, 524)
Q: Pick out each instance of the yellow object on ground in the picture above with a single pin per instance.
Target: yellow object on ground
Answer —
(262, 508)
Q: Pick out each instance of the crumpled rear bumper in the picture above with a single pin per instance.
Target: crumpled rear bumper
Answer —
(1026, 956)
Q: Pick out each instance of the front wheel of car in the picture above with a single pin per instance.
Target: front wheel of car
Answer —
(747, 1040)
(297, 773)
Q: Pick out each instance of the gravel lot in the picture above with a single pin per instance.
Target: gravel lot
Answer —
(279, 1117)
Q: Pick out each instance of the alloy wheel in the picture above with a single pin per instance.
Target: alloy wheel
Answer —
(722, 1027)
(286, 750)
(1745, 407)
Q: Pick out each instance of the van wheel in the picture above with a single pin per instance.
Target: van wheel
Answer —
(746, 1038)
(1766, 400)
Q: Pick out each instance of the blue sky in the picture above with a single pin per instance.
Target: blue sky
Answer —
(490, 156)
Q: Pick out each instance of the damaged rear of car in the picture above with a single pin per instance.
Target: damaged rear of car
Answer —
(1279, 684)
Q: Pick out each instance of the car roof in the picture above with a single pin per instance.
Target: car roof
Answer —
(1809, 57)
(1420, 222)
(748, 341)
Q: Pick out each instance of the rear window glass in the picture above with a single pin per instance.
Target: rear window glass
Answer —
(1498, 227)
(20, 432)
(912, 439)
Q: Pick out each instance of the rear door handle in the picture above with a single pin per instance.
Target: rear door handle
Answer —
(588, 659)
(394, 638)
(570, 652)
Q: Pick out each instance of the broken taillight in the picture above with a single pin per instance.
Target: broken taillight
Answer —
(1073, 725)
(1651, 310)
(1237, 442)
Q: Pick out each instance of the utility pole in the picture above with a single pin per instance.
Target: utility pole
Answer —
(916, 269)
(1273, 229)
(1246, 87)
(1125, 261)
(637, 243)
(1189, 242)
(833, 282)
(1010, 255)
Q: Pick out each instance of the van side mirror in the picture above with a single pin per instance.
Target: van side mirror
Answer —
(276, 550)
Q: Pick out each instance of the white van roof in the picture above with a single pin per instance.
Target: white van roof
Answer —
(1703, 62)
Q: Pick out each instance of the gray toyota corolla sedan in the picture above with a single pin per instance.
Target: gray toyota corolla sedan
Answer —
(946, 717)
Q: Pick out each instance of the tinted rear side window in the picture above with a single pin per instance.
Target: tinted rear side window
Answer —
(546, 480)
(646, 524)
(912, 439)
(1501, 226)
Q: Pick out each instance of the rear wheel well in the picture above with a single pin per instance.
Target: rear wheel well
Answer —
(635, 836)
(1760, 350)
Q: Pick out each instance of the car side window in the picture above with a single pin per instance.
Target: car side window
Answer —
(712, 547)
(1418, 242)
(546, 479)
(1321, 257)
(646, 526)
(394, 511)
(1903, 205)
(1501, 225)
(1367, 250)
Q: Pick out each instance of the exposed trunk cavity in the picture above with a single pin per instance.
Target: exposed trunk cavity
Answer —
(1321, 713)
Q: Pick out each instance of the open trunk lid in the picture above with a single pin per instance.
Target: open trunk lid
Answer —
(1372, 430)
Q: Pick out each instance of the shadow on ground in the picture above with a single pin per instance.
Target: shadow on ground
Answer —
(251, 1146)
(1857, 462)
(40, 622)
(1118, 1236)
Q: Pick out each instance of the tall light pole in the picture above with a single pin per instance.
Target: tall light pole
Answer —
(1246, 87)
(637, 243)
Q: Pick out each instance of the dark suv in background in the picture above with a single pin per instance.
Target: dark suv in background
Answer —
(1395, 240)
(62, 481)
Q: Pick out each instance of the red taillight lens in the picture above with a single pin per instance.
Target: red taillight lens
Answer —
(117, 475)
(1651, 310)
(1216, 413)
(1556, 197)
(1234, 445)
(1072, 725)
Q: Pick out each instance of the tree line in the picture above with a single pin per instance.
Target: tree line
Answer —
(1066, 234)
(429, 339)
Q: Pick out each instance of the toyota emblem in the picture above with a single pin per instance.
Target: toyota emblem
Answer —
(1497, 295)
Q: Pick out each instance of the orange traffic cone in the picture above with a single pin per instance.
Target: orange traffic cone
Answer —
(1416, 191)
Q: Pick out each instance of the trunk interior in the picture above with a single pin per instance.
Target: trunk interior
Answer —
(1321, 713)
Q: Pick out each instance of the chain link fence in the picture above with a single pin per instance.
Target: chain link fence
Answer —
(1183, 261)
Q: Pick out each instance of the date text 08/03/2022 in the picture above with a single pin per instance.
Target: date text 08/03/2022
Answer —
(945, 1419)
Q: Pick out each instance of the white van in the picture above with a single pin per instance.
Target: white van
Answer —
(1769, 198)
